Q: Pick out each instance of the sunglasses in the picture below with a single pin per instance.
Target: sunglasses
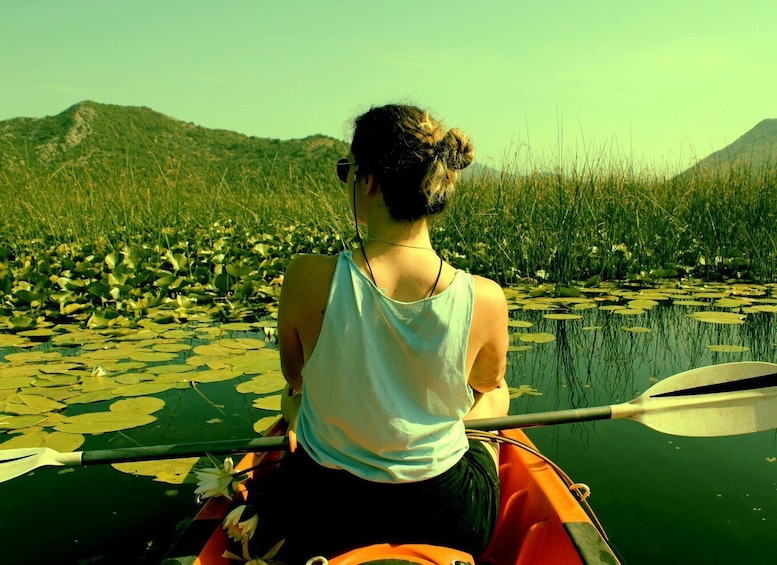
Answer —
(343, 165)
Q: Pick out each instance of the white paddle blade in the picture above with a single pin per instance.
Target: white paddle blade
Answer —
(17, 462)
(724, 414)
(718, 400)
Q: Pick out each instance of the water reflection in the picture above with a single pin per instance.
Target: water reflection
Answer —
(651, 489)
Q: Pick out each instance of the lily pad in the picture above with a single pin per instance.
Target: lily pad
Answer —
(636, 329)
(101, 422)
(728, 348)
(264, 384)
(524, 389)
(268, 402)
(138, 405)
(172, 471)
(20, 422)
(713, 317)
(263, 424)
(58, 441)
(541, 337)
(563, 317)
(519, 324)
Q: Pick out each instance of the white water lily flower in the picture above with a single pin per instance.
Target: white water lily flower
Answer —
(217, 481)
(240, 530)
(98, 372)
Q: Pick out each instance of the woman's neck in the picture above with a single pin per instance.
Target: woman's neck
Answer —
(387, 230)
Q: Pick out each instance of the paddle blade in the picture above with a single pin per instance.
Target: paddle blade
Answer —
(17, 462)
(719, 400)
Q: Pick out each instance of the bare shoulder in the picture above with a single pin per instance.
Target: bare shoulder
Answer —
(489, 293)
(305, 266)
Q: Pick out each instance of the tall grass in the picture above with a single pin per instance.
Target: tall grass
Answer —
(569, 224)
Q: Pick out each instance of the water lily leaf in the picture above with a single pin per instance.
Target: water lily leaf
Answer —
(588, 305)
(12, 340)
(563, 317)
(19, 422)
(254, 362)
(237, 326)
(33, 356)
(516, 348)
(771, 308)
(268, 402)
(263, 424)
(628, 311)
(171, 347)
(101, 422)
(728, 348)
(89, 397)
(642, 304)
(170, 369)
(524, 389)
(265, 384)
(37, 437)
(143, 389)
(636, 329)
(214, 375)
(729, 302)
(541, 337)
(58, 368)
(172, 471)
(519, 324)
(138, 405)
(46, 381)
(39, 334)
(152, 356)
(9, 382)
(213, 350)
(712, 317)
(40, 404)
(242, 343)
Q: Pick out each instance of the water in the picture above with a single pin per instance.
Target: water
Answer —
(662, 499)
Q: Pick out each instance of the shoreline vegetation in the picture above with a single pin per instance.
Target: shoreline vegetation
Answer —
(88, 243)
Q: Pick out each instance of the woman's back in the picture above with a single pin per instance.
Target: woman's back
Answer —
(386, 386)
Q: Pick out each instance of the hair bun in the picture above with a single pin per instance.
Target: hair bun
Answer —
(458, 149)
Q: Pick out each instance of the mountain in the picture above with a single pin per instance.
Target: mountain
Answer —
(755, 150)
(104, 139)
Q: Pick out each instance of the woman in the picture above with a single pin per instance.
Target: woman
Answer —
(392, 349)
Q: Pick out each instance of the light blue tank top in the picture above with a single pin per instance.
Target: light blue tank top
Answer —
(385, 389)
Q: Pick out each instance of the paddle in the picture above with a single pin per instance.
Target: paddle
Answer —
(718, 400)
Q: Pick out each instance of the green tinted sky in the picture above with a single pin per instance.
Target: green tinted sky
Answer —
(658, 81)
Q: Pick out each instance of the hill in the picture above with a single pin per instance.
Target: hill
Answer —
(755, 150)
(128, 141)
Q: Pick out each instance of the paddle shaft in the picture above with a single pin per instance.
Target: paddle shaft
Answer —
(158, 452)
(542, 419)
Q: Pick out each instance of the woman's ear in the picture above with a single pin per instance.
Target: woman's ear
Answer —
(373, 186)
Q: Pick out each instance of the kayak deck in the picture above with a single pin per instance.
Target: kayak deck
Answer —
(540, 521)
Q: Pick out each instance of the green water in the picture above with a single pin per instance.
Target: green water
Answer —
(662, 499)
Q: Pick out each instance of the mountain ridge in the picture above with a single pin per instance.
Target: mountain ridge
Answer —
(140, 141)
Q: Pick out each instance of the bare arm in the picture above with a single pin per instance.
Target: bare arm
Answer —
(489, 325)
(301, 312)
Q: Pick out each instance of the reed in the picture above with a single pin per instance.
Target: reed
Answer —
(570, 223)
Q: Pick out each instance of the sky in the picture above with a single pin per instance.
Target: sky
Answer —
(654, 83)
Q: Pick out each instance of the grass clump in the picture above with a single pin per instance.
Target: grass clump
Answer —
(93, 241)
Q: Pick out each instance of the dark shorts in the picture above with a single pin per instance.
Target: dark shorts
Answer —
(331, 511)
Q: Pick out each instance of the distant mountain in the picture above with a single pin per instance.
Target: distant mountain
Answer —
(756, 150)
(103, 139)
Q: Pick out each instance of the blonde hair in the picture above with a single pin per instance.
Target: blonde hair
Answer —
(415, 159)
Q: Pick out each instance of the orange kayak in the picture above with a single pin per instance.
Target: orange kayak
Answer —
(540, 521)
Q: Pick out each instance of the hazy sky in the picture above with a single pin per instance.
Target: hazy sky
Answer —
(659, 82)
